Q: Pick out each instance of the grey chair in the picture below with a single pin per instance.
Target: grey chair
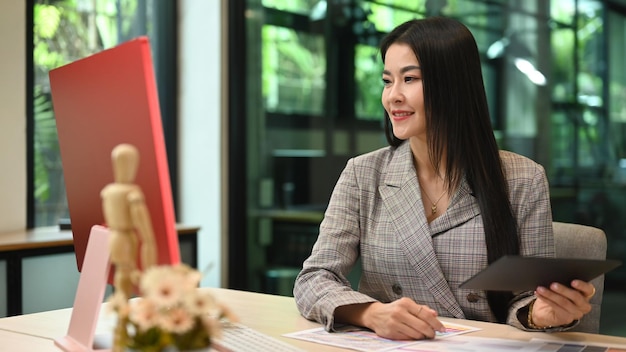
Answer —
(580, 241)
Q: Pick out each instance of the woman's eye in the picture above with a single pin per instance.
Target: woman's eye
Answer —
(386, 82)
(410, 79)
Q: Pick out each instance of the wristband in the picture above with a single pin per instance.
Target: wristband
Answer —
(529, 319)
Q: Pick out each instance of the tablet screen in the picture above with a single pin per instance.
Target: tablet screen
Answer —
(517, 273)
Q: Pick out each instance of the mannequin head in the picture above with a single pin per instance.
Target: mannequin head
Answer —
(125, 159)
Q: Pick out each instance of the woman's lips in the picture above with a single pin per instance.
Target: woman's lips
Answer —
(400, 114)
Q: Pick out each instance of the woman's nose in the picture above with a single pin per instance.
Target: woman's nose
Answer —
(395, 94)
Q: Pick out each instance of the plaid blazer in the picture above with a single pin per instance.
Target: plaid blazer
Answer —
(376, 214)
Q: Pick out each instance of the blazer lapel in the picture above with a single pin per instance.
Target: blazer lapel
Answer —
(402, 198)
(462, 208)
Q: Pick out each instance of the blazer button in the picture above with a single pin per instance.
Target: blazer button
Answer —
(473, 298)
(397, 289)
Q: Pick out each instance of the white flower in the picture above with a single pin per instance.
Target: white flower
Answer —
(176, 320)
(143, 312)
(170, 306)
(199, 302)
(162, 285)
(118, 304)
(191, 277)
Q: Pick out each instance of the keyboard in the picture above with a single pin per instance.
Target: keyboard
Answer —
(240, 338)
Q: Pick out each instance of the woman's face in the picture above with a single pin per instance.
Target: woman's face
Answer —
(403, 93)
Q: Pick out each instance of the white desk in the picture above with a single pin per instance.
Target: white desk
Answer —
(273, 315)
(15, 342)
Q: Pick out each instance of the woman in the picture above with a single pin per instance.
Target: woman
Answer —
(435, 207)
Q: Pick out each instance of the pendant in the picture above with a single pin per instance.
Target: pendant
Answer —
(434, 208)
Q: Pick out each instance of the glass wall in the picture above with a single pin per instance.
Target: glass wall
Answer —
(67, 30)
(587, 135)
(306, 97)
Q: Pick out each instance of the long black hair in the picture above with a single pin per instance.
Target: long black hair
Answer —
(458, 123)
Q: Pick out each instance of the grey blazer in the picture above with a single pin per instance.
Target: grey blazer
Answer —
(376, 214)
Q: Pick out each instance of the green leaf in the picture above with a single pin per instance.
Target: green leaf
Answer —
(47, 19)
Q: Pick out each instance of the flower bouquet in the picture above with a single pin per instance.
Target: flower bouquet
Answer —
(171, 314)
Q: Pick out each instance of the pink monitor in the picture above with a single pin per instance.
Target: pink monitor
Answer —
(99, 102)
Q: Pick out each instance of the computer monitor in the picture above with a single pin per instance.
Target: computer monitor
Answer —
(99, 102)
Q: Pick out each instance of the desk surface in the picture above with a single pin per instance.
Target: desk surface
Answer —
(35, 238)
(17, 342)
(270, 314)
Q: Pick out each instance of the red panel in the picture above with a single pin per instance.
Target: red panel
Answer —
(99, 102)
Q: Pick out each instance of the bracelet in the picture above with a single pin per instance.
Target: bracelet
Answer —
(529, 319)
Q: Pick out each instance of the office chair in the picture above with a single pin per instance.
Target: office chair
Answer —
(580, 241)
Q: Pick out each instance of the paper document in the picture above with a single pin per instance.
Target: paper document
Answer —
(364, 340)
(361, 339)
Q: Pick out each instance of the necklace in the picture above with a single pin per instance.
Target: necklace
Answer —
(433, 207)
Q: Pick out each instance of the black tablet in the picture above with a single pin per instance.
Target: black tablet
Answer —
(517, 273)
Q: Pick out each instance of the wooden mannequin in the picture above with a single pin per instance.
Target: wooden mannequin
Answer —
(129, 224)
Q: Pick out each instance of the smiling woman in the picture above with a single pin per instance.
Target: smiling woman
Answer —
(440, 142)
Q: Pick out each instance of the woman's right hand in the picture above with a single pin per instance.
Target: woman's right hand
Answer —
(402, 319)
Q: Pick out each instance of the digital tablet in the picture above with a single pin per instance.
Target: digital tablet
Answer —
(517, 273)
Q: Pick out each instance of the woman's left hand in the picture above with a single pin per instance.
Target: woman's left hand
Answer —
(560, 305)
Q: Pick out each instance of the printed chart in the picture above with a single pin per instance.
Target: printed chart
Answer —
(452, 340)
(360, 339)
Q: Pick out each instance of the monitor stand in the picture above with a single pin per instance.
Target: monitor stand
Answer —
(89, 296)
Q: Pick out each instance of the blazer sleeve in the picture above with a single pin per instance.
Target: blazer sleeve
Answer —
(322, 284)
